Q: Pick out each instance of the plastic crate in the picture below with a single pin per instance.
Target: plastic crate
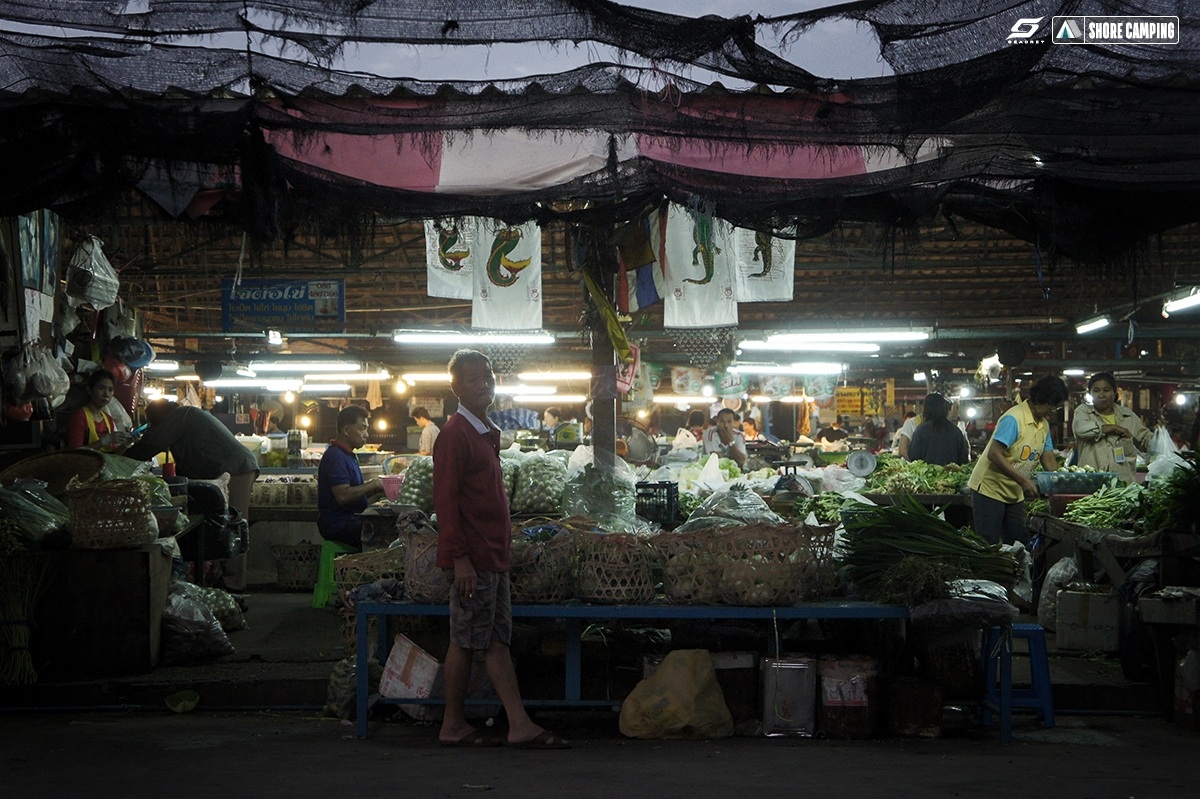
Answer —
(1071, 482)
(659, 502)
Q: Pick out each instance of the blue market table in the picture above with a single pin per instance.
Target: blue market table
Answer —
(574, 615)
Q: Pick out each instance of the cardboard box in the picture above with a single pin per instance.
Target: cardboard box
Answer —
(1089, 621)
(102, 612)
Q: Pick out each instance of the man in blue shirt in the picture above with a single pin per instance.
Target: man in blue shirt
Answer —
(341, 492)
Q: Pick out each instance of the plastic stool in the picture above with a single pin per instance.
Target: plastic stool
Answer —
(997, 656)
(325, 588)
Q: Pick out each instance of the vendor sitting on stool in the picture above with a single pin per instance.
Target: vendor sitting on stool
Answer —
(341, 492)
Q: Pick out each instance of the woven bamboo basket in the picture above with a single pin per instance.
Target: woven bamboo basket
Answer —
(689, 568)
(615, 568)
(57, 469)
(758, 564)
(298, 566)
(423, 580)
(361, 568)
(814, 556)
(111, 514)
(542, 571)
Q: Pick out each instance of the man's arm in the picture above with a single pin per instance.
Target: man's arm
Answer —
(346, 494)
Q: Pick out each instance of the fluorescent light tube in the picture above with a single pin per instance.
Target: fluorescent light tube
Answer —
(163, 366)
(426, 377)
(342, 377)
(775, 345)
(301, 367)
(867, 336)
(527, 390)
(533, 377)
(272, 385)
(451, 338)
(564, 399)
(1099, 323)
(314, 388)
(1182, 303)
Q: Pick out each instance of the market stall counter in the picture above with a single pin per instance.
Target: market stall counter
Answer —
(574, 615)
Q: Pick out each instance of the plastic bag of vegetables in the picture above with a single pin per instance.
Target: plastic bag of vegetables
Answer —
(417, 488)
(738, 503)
(607, 495)
(539, 486)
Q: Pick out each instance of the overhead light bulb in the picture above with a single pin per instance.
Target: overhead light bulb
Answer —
(246, 371)
(972, 413)
(964, 392)
(289, 397)
(400, 386)
(274, 338)
(306, 421)
(919, 377)
(1181, 399)
(381, 425)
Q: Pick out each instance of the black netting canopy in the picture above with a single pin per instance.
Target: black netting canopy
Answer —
(1086, 149)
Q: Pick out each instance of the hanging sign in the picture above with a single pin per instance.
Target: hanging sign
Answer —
(283, 305)
(732, 384)
(778, 386)
(857, 401)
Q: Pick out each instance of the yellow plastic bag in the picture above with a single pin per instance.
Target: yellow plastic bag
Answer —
(680, 700)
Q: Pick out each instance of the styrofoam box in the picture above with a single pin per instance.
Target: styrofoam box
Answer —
(1088, 621)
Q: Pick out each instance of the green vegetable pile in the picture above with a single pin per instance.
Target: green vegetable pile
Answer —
(1172, 501)
(898, 476)
(540, 484)
(827, 507)
(417, 488)
(878, 538)
(1112, 505)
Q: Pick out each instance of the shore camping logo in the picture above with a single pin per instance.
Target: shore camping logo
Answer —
(1068, 31)
(1023, 29)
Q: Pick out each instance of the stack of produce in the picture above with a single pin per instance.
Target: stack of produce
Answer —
(539, 485)
(1172, 501)
(417, 488)
(879, 537)
(1112, 505)
(898, 476)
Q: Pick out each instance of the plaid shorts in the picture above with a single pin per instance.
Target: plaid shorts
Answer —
(475, 622)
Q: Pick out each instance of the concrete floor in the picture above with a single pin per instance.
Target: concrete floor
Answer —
(267, 755)
(259, 731)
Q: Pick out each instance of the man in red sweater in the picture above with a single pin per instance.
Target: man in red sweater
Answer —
(473, 542)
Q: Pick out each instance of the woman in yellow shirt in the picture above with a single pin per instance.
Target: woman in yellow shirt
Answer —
(1002, 477)
(1108, 437)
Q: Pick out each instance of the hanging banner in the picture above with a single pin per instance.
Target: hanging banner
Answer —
(450, 257)
(301, 305)
(697, 255)
(508, 285)
(765, 266)
(778, 386)
(627, 372)
(686, 380)
(640, 276)
(732, 384)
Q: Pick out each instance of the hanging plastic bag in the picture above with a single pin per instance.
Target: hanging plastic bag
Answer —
(1161, 442)
(685, 439)
(90, 277)
(681, 699)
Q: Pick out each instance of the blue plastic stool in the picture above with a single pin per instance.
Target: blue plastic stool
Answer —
(325, 588)
(997, 657)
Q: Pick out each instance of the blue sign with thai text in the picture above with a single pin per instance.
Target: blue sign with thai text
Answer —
(299, 305)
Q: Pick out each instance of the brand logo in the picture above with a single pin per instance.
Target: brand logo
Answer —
(1069, 30)
(1024, 28)
(1115, 30)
